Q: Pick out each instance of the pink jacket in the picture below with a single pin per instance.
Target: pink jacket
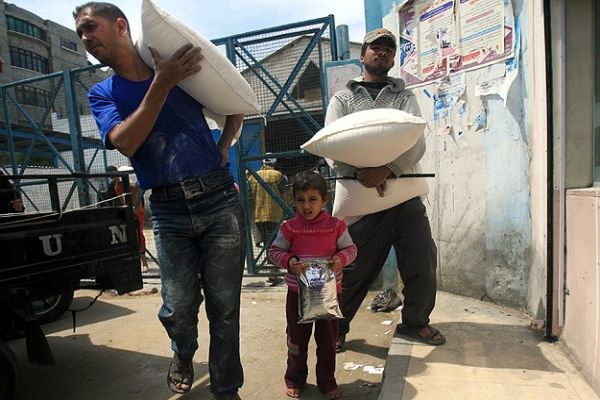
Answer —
(321, 238)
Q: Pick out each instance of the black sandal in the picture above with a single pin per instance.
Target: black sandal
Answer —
(413, 332)
(181, 372)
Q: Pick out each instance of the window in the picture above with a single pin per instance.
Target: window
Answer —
(597, 93)
(67, 44)
(28, 60)
(27, 28)
(308, 86)
(32, 96)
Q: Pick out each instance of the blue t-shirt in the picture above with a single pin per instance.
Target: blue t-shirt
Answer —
(180, 145)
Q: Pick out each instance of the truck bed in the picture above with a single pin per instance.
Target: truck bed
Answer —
(50, 252)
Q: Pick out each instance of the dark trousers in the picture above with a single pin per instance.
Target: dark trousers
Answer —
(298, 336)
(406, 227)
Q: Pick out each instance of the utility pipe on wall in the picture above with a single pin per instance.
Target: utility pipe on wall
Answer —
(562, 204)
(343, 42)
(556, 176)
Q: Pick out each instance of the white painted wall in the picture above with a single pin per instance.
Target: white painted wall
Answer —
(489, 228)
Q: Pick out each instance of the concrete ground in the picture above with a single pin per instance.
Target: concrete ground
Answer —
(491, 353)
(120, 351)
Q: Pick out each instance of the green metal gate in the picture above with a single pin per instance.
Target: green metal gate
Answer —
(284, 67)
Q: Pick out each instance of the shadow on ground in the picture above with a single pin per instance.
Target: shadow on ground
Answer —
(476, 345)
(86, 371)
(361, 346)
(491, 346)
(98, 312)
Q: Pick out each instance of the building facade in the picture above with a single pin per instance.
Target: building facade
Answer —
(516, 199)
(31, 46)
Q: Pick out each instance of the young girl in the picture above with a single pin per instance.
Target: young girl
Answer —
(311, 234)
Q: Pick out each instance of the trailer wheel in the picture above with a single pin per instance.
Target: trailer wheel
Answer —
(9, 374)
(51, 308)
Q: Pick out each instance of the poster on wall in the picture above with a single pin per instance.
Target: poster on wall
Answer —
(436, 39)
(441, 37)
(481, 31)
(407, 50)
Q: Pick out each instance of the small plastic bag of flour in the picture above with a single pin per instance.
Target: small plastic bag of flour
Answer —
(317, 294)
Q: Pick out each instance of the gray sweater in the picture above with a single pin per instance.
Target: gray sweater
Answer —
(356, 98)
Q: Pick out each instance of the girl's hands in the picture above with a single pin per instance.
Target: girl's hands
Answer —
(296, 266)
(335, 264)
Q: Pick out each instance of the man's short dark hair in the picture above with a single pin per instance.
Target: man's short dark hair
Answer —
(307, 180)
(106, 10)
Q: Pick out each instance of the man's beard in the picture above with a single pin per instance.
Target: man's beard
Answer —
(377, 70)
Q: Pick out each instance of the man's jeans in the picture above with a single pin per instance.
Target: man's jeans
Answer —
(198, 228)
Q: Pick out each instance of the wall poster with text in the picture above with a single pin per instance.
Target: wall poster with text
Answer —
(441, 37)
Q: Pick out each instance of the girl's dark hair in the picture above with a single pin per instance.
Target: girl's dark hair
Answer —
(307, 180)
(106, 10)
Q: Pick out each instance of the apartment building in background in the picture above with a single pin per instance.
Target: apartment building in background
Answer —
(31, 46)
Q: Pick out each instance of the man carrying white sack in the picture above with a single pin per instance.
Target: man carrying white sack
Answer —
(404, 226)
(196, 213)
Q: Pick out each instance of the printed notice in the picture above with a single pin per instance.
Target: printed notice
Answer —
(481, 30)
(442, 37)
(436, 40)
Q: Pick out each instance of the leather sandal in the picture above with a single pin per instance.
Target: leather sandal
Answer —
(434, 337)
(181, 374)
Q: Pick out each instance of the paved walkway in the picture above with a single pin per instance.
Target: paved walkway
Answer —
(120, 351)
(491, 354)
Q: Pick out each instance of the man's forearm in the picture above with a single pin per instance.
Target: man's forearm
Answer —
(129, 135)
(232, 125)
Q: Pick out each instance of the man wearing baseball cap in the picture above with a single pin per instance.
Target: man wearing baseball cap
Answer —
(380, 33)
(404, 226)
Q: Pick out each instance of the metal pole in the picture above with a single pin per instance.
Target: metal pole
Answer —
(75, 135)
(243, 185)
(550, 266)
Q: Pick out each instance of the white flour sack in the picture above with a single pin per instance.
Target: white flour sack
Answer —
(353, 199)
(219, 86)
(369, 138)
